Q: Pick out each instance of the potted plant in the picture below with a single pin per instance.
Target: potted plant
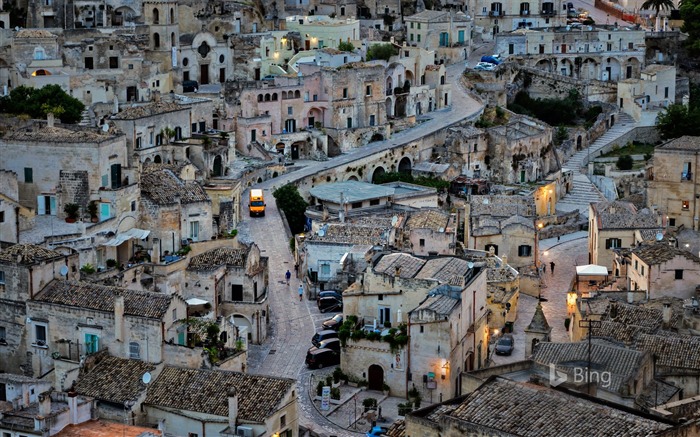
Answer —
(92, 210)
(111, 263)
(71, 210)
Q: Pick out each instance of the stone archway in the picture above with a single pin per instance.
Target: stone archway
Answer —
(389, 107)
(157, 159)
(352, 178)
(405, 165)
(589, 69)
(544, 64)
(566, 68)
(376, 137)
(378, 172)
(279, 147)
(409, 78)
(375, 377)
(218, 169)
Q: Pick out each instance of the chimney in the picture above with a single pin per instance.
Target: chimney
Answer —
(467, 213)
(505, 260)
(232, 408)
(45, 404)
(72, 399)
(666, 314)
(630, 296)
(119, 318)
(50, 119)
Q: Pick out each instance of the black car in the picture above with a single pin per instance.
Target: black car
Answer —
(331, 343)
(333, 323)
(329, 293)
(320, 358)
(323, 335)
(505, 345)
(326, 304)
(190, 86)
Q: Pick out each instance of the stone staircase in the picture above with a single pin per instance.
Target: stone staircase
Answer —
(583, 191)
(87, 118)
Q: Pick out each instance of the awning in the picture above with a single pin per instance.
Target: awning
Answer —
(591, 270)
(194, 301)
(133, 233)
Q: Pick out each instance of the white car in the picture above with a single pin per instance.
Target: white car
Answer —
(485, 66)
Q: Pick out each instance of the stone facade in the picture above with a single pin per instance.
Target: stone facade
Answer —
(449, 33)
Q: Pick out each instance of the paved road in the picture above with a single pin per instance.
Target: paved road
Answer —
(294, 322)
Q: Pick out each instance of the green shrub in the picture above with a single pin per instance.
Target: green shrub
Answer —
(381, 51)
(87, 268)
(335, 393)
(111, 263)
(346, 46)
(338, 375)
(625, 162)
(369, 404)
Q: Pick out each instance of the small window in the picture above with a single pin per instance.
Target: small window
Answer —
(283, 421)
(368, 90)
(374, 202)
(134, 351)
(613, 243)
(133, 205)
(686, 205)
(636, 265)
(679, 273)
(3, 333)
(421, 242)
(2, 277)
(222, 58)
(89, 63)
(345, 93)
(2, 216)
(421, 329)
(380, 297)
(113, 62)
(131, 66)
(672, 222)
(356, 205)
(40, 334)
(28, 175)
(185, 62)
(174, 314)
(524, 250)
(642, 271)
(290, 110)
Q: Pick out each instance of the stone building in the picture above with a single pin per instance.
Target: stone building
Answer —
(391, 290)
(673, 181)
(605, 53)
(235, 284)
(71, 319)
(447, 32)
(612, 225)
(318, 31)
(13, 216)
(493, 18)
(646, 97)
(504, 225)
(662, 270)
(24, 270)
(223, 403)
(431, 232)
(88, 161)
(176, 211)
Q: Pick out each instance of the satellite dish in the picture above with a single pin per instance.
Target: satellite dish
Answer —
(29, 320)
(394, 220)
(63, 271)
(659, 236)
(486, 201)
(105, 127)
(146, 378)
(321, 232)
(470, 265)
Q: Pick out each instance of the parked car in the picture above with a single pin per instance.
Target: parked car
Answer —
(331, 343)
(269, 77)
(320, 358)
(505, 345)
(491, 59)
(377, 431)
(190, 86)
(326, 304)
(333, 323)
(329, 293)
(323, 335)
(485, 66)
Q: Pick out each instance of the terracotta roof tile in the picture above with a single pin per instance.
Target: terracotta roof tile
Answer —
(406, 264)
(164, 188)
(428, 219)
(26, 254)
(101, 298)
(218, 257)
(678, 352)
(206, 391)
(682, 143)
(443, 269)
(148, 110)
(114, 380)
(622, 215)
(661, 252)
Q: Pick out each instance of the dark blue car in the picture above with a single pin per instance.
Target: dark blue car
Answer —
(490, 60)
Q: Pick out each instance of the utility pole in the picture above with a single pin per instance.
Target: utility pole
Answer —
(590, 324)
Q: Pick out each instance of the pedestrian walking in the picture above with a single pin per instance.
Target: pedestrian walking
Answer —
(288, 276)
(551, 266)
(558, 238)
(301, 291)
(296, 270)
(544, 268)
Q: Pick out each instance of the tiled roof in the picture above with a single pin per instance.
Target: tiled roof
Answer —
(529, 410)
(428, 219)
(622, 363)
(656, 393)
(409, 265)
(657, 253)
(682, 143)
(206, 391)
(441, 304)
(501, 274)
(114, 380)
(147, 110)
(678, 352)
(622, 215)
(218, 257)
(34, 33)
(164, 188)
(397, 429)
(351, 234)
(443, 269)
(502, 206)
(633, 315)
(58, 134)
(26, 254)
(101, 298)
(619, 331)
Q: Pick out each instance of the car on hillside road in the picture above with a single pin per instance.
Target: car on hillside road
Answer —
(505, 345)
(485, 66)
(326, 304)
(333, 323)
(320, 358)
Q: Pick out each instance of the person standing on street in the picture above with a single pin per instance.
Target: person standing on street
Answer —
(551, 266)
(288, 276)
(301, 291)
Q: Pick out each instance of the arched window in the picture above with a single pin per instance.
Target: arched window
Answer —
(260, 97)
(156, 40)
(284, 95)
(156, 17)
(267, 97)
(297, 94)
(274, 97)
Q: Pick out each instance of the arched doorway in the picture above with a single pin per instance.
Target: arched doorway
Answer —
(280, 147)
(544, 64)
(378, 172)
(157, 159)
(409, 77)
(376, 137)
(353, 178)
(389, 107)
(578, 142)
(218, 167)
(297, 149)
(375, 377)
(405, 165)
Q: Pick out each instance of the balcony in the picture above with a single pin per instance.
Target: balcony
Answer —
(524, 13)
(495, 13)
(549, 12)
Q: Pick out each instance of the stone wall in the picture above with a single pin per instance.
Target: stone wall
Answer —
(74, 188)
(227, 219)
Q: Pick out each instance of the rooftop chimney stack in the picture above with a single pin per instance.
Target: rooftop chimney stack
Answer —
(119, 318)
(45, 404)
(666, 314)
(232, 408)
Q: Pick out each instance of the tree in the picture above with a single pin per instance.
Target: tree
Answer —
(294, 206)
(346, 46)
(657, 6)
(625, 162)
(678, 120)
(37, 103)
(381, 51)
(690, 13)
